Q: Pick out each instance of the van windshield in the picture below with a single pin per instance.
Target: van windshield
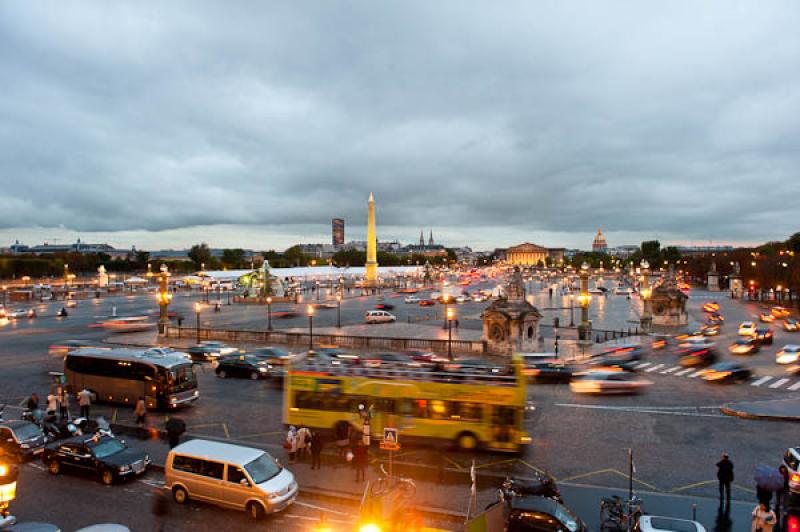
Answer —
(262, 468)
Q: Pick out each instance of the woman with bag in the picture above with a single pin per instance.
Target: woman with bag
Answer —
(291, 444)
(763, 518)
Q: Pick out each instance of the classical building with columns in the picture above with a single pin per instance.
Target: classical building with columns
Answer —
(528, 254)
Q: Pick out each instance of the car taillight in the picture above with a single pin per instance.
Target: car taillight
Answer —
(793, 524)
(795, 477)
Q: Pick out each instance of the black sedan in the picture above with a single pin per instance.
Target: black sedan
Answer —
(104, 456)
(209, 351)
(698, 357)
(763, 336)
(549, 372)
(244, 366)
(21, 439)
(722, 372)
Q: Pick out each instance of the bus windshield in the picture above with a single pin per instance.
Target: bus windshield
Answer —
(180, 378)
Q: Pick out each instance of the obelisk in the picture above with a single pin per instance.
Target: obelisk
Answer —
(371, 266)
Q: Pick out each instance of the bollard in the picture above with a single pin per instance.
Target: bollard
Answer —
(606, 336)
(694, 511)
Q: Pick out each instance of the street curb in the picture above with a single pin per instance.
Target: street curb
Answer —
(760, 417)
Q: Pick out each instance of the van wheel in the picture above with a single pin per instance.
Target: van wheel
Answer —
(222, 374)
(180, 495)
(54, 467)
(255, 510)
(107, 477)
(254, 376)
(466, 441)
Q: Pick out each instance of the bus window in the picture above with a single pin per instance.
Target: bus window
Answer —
(467, 411)
(438, 409)
(503, 422)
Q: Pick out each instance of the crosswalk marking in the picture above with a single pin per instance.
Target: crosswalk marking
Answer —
(655, 368)
(794, 386)
(670, 370)
(697, 374)
(643, 365)
(778, 383)
(760, 381)
(684, 371)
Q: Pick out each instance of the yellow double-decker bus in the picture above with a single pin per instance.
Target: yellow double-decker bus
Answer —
(472, 408)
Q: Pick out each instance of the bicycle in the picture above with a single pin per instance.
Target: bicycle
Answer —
(620, 515)
(388, 483)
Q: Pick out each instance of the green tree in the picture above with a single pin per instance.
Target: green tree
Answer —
(651, 251)
(233, 258)
(199, 255)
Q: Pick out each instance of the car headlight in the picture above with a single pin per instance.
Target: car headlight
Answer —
(262, 370)
(24, 446)
(124, 468)
(146, 459)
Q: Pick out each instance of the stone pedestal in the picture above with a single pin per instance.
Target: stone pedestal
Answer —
(668, 307)
(737, 288)
(511, 324)
(712, 281)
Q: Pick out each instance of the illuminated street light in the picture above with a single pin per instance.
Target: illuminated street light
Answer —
(338, 311)
(451, 315)
(197, 307)
(269, 313)
(310, 312)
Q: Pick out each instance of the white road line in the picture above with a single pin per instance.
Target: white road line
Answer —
(643, 365)
(670, 370)
(760, 381)
(646, 411)
(778, 383)
(655, 368)
(696, 374)
(794, 386)
(684, 371)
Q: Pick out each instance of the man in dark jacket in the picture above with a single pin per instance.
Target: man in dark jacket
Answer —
(725, 477)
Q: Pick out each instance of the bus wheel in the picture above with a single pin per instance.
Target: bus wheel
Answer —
(255, 510)
(466, 441)
(180, 495)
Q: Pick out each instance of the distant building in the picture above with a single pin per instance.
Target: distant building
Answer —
(599, 244)
(183, 254)
(623, 252)
(528, 254)
(337, 231)
(697, 251)
(78, 247)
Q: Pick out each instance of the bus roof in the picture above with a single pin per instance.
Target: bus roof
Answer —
(164, 360)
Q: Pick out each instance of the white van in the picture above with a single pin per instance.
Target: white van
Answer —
(232, 476)
(379, 316)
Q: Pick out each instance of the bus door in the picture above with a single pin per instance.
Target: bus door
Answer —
(503, 427)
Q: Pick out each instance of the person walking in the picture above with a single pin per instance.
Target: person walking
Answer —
(316, 450)
(140, 411)
(85, 401)
(52, 404)
(63, 404)
(303, 439)
(175, 428)
(725, 477)
(33, 402)
(360, 457)
(763, 518)
(291, 444)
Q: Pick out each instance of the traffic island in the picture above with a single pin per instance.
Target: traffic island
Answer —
(776, 410)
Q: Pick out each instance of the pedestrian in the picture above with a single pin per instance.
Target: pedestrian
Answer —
(175, 428)
(763, 518)
(140, 411)
(725, 477)
(303, 439)
(360, 456)
(63, 404)
(33, 402)
(52, 404)
(316, 450)
(291, 444)
(763, 495)
(85, 401)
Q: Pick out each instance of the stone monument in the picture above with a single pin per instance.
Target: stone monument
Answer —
(668, 303)
(712, 278)
(510, 323)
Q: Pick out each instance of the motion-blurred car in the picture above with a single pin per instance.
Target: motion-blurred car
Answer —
(272, 354)
(790, 325)
(426, 302)
(424, 357)
(744, 346)
(710, 330)
(746, 328)
(763, 336)
(608, 382)
(726, 372)
(654, 523)
(695, 341)
(332, 355)
(375, 360)
(210, 350)
(411, 300)
(243, 366)
(789, 354)
(17, 313)
(780, 312)
(698, 357)
(379, 316)
(384, 306)
(284, 314)
(62, 348)
(711, 307)
(766, 318)
(549, 372)
(716, 318)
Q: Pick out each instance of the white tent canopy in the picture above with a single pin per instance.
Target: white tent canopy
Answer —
(135, 280)
(312, 273)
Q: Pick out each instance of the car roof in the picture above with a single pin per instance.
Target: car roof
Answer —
(540, 504)
(218, 451)
(15, 423)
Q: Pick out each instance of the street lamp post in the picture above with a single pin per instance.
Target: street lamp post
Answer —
(164, 298)
(647, 316)
(445, 300)
(310, 312)
(451, 314)
(66, 281)
(585, 328)
(338, 311)
(571, 310)
(197, 315)
(269, 313)
(5, 291)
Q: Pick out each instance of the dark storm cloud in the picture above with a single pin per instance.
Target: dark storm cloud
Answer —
(678, 118)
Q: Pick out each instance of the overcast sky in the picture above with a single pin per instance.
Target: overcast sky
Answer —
(162, 124)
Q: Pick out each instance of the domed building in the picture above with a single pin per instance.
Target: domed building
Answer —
(599, 243)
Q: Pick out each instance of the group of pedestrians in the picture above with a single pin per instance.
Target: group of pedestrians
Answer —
(764, 518)
(302, 442)
(58, 402)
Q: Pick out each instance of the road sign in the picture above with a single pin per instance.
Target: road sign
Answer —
(390, 442)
